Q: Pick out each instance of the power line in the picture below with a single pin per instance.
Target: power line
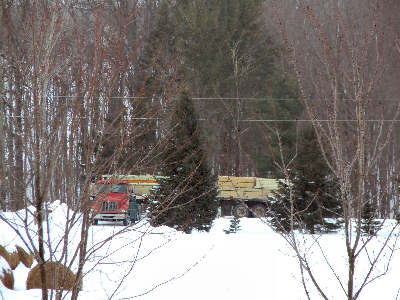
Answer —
(112, 97)
(195, 98)
(234, 98)
(244, 98)
(284, 99)
(271, 120)
(282, 120)
(264, 120)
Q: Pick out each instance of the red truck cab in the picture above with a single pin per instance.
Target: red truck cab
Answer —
(111, 202)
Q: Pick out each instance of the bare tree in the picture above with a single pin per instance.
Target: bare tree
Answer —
(337, 54)
(64, 96)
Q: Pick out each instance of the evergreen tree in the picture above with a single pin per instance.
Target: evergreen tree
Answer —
(282, 88)
(280, 209)
(234, 226)
(369, 226)
(158, 66)
(310, 200)
(186, 198)
(227, 52)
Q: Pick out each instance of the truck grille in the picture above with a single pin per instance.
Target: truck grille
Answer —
(108, 206)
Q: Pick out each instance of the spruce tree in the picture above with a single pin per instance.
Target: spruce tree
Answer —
(186, 198)
(369, 226)
(311, 197)
(228, 52)
(234, 226)
(279, 212)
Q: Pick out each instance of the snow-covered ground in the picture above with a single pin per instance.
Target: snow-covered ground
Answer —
(161, 263)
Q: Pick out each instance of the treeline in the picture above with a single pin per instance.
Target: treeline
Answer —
(90, 87)
(225, 55)
(231, 65)
(345, 56)
(304, 90)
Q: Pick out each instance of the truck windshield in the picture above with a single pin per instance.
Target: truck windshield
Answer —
(112, 188)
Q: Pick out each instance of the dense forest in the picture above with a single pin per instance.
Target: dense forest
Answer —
(90, 88)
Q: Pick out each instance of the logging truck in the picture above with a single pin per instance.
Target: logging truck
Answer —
(245, 196)
(121, 198)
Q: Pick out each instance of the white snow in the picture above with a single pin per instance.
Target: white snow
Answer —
(161, 263)
(4, 267)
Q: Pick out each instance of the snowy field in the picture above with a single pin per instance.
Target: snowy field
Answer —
(160, 263)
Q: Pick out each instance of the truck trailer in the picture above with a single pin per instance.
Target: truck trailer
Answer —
(120, 198)
(245, 196)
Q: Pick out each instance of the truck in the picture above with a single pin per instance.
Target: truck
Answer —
(245, 196)
(120, 198)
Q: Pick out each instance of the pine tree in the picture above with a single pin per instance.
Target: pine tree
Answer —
(186, 198)
(311, 197)
(369, 226)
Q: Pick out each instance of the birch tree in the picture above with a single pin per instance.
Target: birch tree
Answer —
(64, 67)
(337, 55)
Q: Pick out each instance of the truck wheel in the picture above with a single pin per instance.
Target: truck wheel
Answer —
(258, 211)
(240, 211)
(125, 222)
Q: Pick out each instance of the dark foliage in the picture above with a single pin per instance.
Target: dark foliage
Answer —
(228, 54)
(369, 226)
(234, 226)
(186, 198)
(310, 201)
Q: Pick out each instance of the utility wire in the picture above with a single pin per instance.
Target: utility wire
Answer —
(113, 97)
(233, 98)
(285, 99)
(305, 120)
(281, 120)
(244, 98)
(263, 120)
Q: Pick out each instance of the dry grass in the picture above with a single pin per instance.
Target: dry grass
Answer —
(6, 275)
(13, 260)
(57, 277)
(25, 258)
(4, 253)
(7, 279)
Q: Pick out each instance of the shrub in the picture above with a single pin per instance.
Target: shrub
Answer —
(58, 276)
(13, 260)
(24, 257)
(6, 275)
(4, 253)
